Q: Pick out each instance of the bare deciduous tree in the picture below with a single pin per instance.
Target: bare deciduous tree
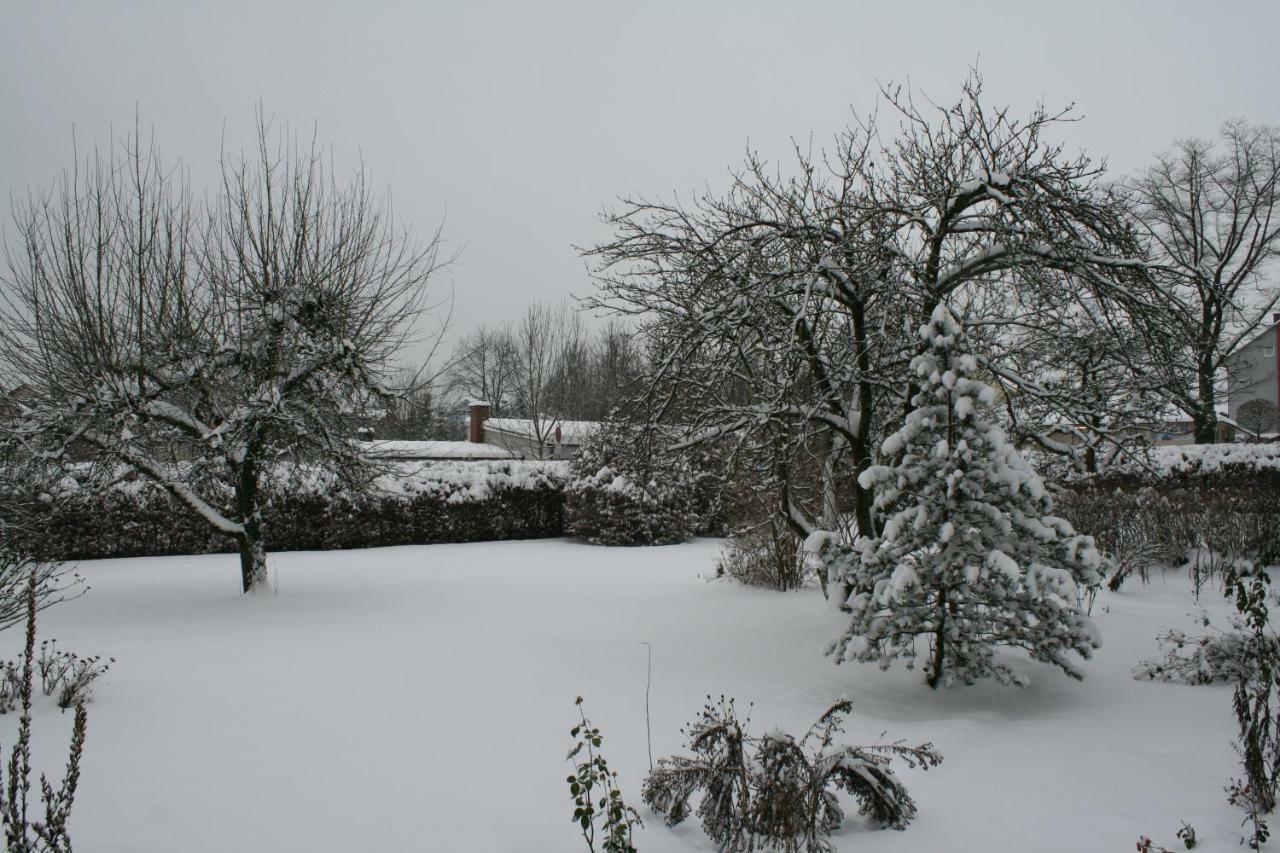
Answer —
(546, 339)
(791, 304)
(198, 345)
(483, 367)
(1212, 214)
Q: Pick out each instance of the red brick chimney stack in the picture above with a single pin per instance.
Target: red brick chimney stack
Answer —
(475, 428)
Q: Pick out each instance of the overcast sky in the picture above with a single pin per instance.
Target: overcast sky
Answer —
(515, 123)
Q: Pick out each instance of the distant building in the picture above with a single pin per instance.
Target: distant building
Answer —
(1253, 373)
(544, 438)
(428, 451)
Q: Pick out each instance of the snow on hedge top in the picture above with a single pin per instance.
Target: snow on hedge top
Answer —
(456, 482)
(453, 481)
(1208, 458)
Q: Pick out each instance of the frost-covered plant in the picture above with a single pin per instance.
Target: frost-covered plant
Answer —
(775, 792)
(49, 835)
(10, 685)
(1217, 655)
(629, 490)
(1207, 658)
(970, 557)
(595, 792)
(68, 674)
(63, 673)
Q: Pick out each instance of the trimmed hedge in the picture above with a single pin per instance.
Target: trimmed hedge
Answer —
(1146, 517)
(489, 501)
(606, 508)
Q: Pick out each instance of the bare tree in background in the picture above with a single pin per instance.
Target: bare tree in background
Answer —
(543, 337)
(410, 413)
(616, 364)
(1212, 214)
(198, 345)
(483, 366)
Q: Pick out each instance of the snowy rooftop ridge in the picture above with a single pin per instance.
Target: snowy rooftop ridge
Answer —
(410, 450)
(571, 432)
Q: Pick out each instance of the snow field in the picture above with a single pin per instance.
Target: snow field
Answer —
(419, 698)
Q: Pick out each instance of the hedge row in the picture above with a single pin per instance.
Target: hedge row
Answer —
(145, 521)
(1159, 516)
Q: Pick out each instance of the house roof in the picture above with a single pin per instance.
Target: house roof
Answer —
(1265, 331)
(434, 450)
(571, 432)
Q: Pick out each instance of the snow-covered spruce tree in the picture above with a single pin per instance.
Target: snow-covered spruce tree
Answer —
(969, 558)
(628, 489)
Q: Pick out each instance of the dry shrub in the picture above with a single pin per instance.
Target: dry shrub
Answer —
(766, 554)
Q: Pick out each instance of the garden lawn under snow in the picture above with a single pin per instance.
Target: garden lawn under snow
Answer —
(419, 698)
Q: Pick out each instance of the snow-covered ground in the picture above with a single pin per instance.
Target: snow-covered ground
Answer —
(419, 698)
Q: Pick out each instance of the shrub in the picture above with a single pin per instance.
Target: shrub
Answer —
(778, 792)
(49, 835)
(458, 502)
(68, 675)
(1220, 656)
(627, 489)
(1140, 518)
(63, 673)
(766, 554)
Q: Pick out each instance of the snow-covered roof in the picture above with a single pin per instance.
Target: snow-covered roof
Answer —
(434, 450)
(571, 432)
(1266, 330)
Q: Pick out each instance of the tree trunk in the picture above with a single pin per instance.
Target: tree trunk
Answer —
(939, 642)
(859, 449)
(1205, 417)
(253, 554)
(830, 506)
(253, 561)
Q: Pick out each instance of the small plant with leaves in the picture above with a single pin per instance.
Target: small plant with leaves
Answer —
(777, 792)
(49, 835)
(595, 792)
(1257, 704)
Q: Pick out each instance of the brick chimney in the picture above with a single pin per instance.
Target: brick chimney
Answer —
(475, 428)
